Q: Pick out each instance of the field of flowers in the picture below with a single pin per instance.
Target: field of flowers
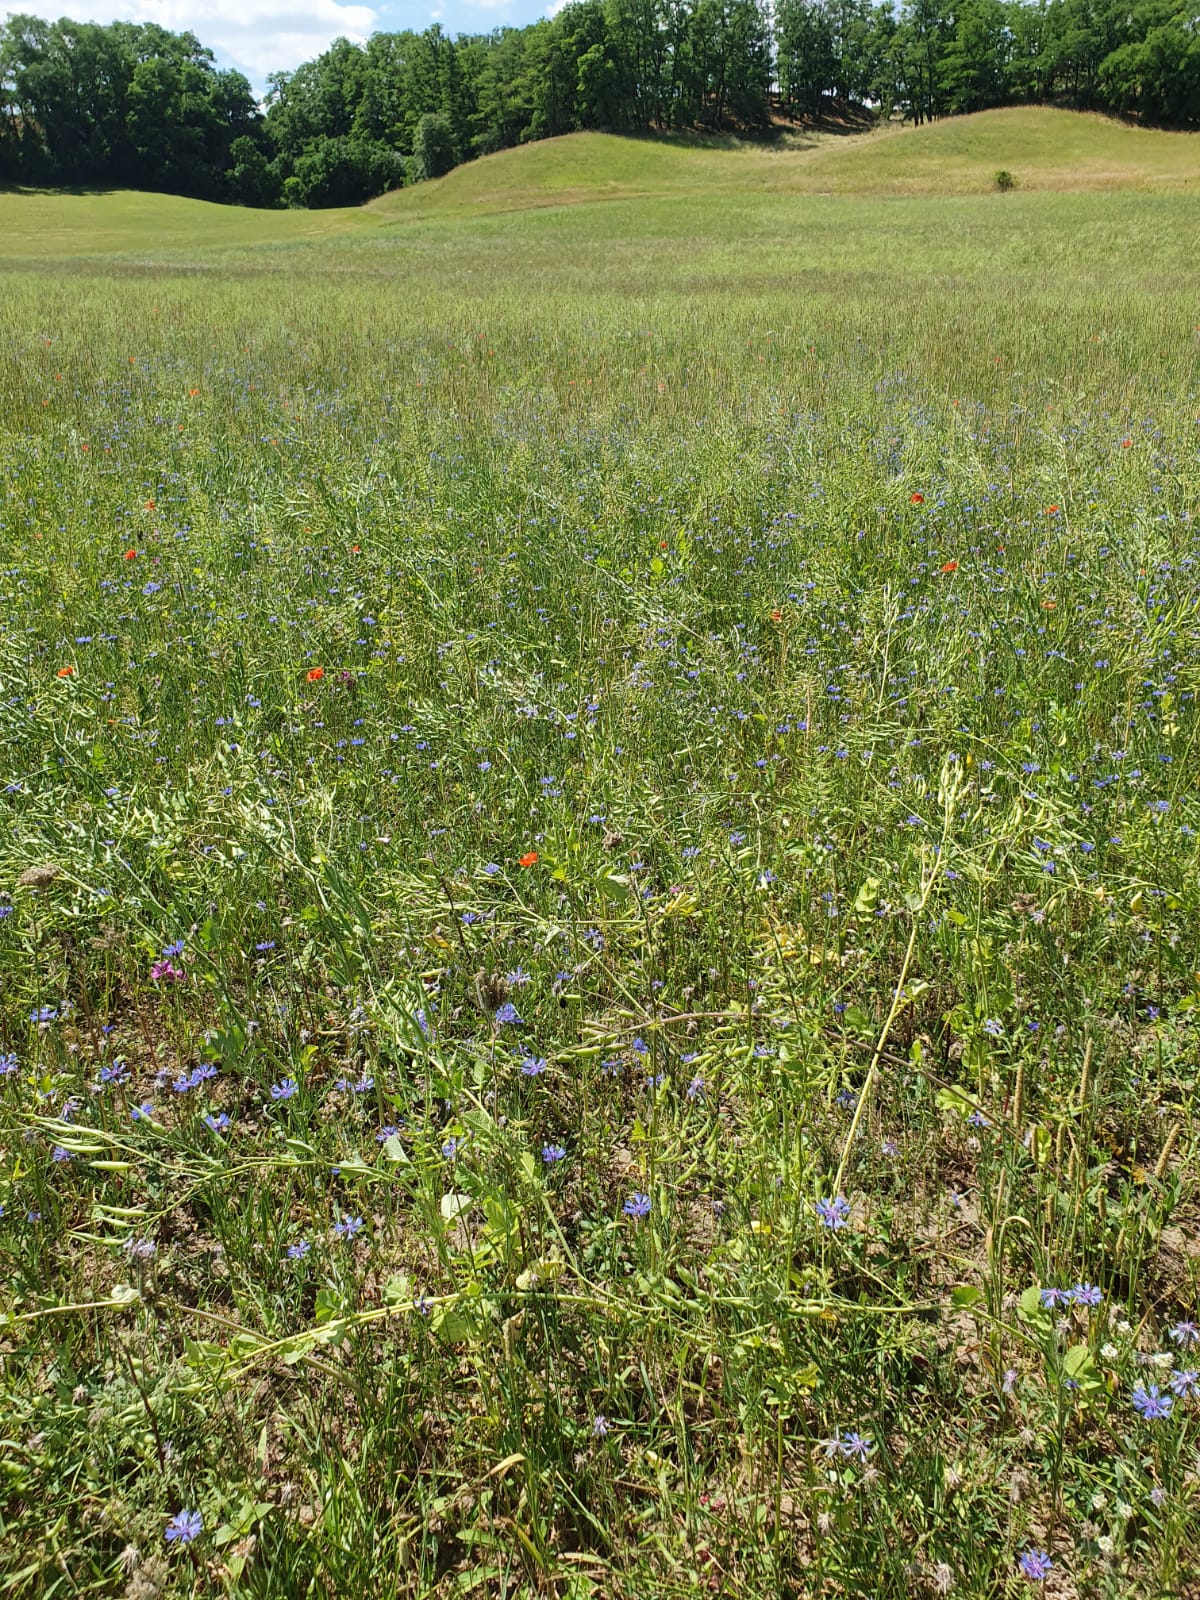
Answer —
(598, 907)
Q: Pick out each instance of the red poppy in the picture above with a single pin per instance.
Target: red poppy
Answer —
(66, 672)
(131, 555)
(950, 566)
(149, 506)
(528, 859)
(1049, 605)
(1051, 511)
(315, 674)
(355, 549)
(917, 499)
(777, 616)
(1125, 443)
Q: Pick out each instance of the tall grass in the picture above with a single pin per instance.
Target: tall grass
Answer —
(599, 943)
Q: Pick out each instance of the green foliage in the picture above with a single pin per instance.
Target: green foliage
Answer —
(433, 148)
(1004, 179)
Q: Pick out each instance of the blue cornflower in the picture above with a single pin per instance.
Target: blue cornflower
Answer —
(1086, 1294)
(1186, 1385)
(834, 1213)
(298, 1251)
(183, 1527)
(144, 1112)
(386, 1132)
(267, 944)
(640, 1047)
(638, 1205)
(531, 1065)
(737, 838)
(9, 1064)
(451, 1148)
(1035, 1564)
(507, 1015)
(994, 1027)
(1151, 1403)
(856, 1444)
(218, 1123)
(552, 1153)
(1185, 1334)
(348, 1227)
(492, 868)
(695, 1089)
(59, 1154)
(285, 1089)
(175, 949)
(517, 978)
(1055, 1297)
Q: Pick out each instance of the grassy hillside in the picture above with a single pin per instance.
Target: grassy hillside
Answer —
(1046, 149)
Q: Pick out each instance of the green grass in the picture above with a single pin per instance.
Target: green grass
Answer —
(810, 584)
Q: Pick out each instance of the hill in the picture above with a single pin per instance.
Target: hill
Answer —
(1048, 150)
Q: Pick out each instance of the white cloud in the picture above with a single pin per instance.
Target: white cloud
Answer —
(256, 36)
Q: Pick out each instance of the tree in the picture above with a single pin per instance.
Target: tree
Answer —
(433, 148)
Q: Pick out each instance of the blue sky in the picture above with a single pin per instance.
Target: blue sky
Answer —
(258, 36)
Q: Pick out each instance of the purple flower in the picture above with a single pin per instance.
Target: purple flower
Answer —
(507, 1015)
(532, 1065)
(552, 1153)
(1185, 1334)
(1035, 1564)
(59, 1154)
(834, 1213)
(1055, 1297)
(298, 1251)
(599, 1426)
(218, 1123)
(143, 1113)
(1151, 1403)
(638, 1205)
(8, 1065)
(1086, 1294)
(183, 1527)
(285, 1089)
(1186, 1385)
(640, 1047)
(348, 1227)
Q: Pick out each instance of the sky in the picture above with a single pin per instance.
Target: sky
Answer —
(262, 36)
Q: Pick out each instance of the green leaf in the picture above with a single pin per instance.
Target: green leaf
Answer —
(455, 1205)
(965, 1296)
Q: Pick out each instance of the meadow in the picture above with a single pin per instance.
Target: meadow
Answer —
(599, 941)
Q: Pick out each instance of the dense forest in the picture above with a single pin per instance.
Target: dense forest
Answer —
(133, 105)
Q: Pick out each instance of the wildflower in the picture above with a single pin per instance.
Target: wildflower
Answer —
(59, 1154)
(889, 1147)
(507, 1015)
(451, 1148)
(140, 1249)
(1055, 1297)
(1185, 1334)
(218, 1123)
(1086, 1294)
(695, 1089)
(950, 566)
(298, 1250)
(8, 1065)
(1036, 1565)
(532, 1065)
(599, 1427)
(183, 1527)
(164, 972)
(528, 859)
(854, 1444)
(1151, 1403)
(131, 555)
(552, 1153)
(834, 1213)
(638, 1205)
(640, 1047)
(315, 674)
(916, 499)
(66, 672)
(1184, 1385)
(284, 1089)
(348, 1227)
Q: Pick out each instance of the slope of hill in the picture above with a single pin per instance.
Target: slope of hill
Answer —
(1046, 149)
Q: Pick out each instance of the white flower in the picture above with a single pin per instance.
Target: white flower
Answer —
(1164, 1360)
(1109, 1351)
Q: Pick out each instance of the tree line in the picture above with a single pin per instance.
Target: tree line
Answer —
(134, 105)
